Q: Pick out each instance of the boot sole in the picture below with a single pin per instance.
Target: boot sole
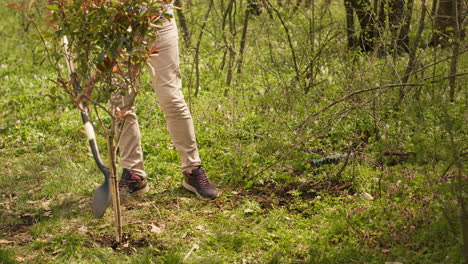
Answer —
(192, 189)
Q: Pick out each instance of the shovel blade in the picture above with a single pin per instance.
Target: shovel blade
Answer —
(101, 200)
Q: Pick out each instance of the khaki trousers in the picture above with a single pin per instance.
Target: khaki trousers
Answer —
(167, 84)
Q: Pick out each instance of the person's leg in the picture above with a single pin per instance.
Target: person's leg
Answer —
(133, 180)
(164, 70)
(167, 83)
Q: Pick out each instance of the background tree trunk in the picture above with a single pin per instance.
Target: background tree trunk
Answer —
(197, 50)
(400, 13)
(249, 9)
(350, 30)
(382, 13)
(396, 13)
(445, 23)
(367, 22)
(183, 24)
(405, 28)
(434, 8)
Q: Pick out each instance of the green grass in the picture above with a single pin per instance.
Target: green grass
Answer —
(290, 213)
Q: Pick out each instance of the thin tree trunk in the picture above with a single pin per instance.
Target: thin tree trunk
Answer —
(382, 15)
(412, 53)
(197, 50)
(227, 17)
(310, 76)
(350, 29)
(183, 24)
(367, 22)
(434, 8)
(396, 13)
(223, 25)
(243, 39)
(230, 69)
(226, 14)
(399, 20)
(445, 23)
(111, 149)
(456, 48)
(376, 6)
(403, 37)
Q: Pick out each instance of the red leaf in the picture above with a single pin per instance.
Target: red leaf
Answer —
(15, 6)
(359, 210)
(152, 51)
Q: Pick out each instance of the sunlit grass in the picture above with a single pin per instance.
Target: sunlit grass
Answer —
(273, 209)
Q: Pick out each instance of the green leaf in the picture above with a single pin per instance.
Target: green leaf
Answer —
(101, 57)
(53, 90)
(53, 8)
(114, 52)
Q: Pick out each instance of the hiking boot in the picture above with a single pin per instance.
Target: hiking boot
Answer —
(197, 182)
(131, 183)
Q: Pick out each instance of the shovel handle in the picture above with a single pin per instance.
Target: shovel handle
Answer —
(83, 112)
(92, 143)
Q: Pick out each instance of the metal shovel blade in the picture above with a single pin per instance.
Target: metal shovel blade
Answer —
(102, 199)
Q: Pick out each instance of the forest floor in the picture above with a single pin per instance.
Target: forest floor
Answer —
(361, 210)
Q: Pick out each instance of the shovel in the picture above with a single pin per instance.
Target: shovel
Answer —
(102, 195)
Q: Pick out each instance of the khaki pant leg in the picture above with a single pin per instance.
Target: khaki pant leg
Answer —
(165, 72)
(131, 154)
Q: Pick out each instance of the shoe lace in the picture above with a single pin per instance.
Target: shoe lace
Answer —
(131, 177)
(203, 180)
(200, 178)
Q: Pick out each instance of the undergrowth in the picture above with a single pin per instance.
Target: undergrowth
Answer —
(393, 198)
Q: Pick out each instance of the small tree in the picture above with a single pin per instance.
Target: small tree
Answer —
(106, 44)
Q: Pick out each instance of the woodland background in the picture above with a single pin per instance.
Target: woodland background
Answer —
(336, 131)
